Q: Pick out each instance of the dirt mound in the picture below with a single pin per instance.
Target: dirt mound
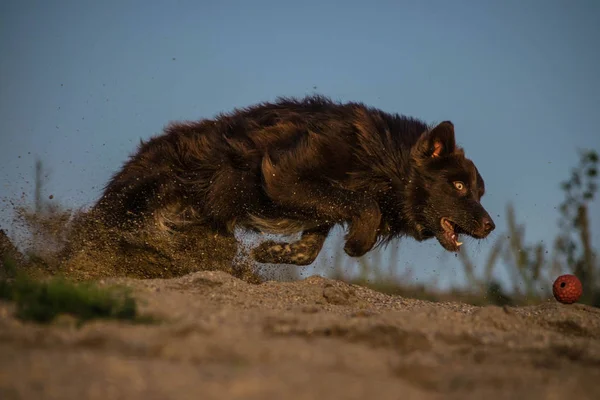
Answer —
(222, 338)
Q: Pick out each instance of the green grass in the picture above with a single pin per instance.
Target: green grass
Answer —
(43, 300)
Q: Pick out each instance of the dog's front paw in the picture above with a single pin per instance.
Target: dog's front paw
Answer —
(356, 248)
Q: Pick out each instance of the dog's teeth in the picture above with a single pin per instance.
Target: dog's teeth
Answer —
(453, 236)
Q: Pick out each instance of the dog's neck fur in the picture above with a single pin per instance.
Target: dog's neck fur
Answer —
(399, 177)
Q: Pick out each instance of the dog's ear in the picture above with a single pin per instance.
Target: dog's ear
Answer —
(437, 142)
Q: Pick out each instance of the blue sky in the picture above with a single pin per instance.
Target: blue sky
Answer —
(81, 82)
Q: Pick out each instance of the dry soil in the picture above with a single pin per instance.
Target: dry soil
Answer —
(223, 338)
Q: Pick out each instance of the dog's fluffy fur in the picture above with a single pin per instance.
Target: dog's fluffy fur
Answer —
(304, 165)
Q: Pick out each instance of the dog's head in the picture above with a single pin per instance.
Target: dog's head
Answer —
(446, 190)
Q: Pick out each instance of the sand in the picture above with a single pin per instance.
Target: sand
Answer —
(225, 334)
(223, 338)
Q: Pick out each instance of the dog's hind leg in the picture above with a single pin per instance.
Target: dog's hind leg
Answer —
(301, 252)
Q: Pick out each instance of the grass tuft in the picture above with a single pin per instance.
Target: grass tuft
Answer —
(42, 301)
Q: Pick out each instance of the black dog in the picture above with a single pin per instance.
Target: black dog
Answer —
(304, 165)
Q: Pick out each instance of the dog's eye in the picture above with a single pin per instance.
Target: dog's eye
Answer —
(459, 186)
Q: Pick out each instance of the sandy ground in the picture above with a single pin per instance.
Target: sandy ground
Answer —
(223, 338)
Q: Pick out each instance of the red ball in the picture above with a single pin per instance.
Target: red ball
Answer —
(567, 289)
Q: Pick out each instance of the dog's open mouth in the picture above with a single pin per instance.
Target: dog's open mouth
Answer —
(451, 232)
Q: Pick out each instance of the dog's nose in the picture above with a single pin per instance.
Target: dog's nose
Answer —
(488, 224)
